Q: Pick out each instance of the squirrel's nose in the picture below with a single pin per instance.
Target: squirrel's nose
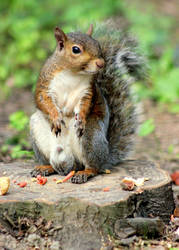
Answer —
(100, 63)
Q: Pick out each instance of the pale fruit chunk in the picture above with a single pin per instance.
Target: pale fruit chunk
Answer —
(4, 185)
(128, 183)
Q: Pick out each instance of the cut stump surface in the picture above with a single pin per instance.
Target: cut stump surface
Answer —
(86, 211)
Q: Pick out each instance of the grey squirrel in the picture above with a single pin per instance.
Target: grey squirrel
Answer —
(85, 119)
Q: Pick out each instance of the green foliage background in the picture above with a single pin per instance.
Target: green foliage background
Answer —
(26, 31)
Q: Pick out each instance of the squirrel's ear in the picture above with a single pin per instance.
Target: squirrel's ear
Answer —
(90, 30)
(60, 37)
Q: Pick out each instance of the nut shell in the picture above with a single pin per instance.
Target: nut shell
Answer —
(4, 185)
(127, 184)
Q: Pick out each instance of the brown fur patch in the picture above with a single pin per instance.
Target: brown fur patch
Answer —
(89, 172)
(45, 168)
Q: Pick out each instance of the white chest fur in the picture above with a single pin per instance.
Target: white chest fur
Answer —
(67, 88)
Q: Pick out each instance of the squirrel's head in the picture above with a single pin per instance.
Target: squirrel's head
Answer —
(79, 52)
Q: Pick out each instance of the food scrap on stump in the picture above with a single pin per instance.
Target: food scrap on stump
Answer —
(66, 178)
(4, 185)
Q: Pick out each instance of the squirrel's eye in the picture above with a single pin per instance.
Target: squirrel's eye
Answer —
(76, 50)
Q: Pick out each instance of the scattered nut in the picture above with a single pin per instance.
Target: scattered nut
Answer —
(59, 181)
(34, 179)
(140, 181)
(4, 185)
(127, 184)
(67, 177)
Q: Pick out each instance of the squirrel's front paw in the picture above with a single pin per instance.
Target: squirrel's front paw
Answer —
(56, 125)
(79, 124)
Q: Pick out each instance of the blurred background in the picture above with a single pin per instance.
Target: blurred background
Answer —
(26, 40)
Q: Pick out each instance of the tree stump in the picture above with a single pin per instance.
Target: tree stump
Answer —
(86, 214)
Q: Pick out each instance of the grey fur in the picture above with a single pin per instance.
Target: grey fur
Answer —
(95, 145)
(124, 65)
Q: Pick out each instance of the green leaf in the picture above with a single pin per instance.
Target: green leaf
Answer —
(18, 120)
(166, 86)
(170, 148)
(17, 152)
(147, 127)
(174, 108)
(4, 148)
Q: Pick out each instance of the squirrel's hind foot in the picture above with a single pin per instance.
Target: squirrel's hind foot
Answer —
(44, 170)
(83, 176)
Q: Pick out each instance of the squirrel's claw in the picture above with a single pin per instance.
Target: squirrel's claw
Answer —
(83, 176)
(44, 170)
(63, 123)
(79, 125)
(79, 179)
(56, 126)
(58, 132)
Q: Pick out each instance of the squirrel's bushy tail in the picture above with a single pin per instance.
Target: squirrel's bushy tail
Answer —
(124, 65)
